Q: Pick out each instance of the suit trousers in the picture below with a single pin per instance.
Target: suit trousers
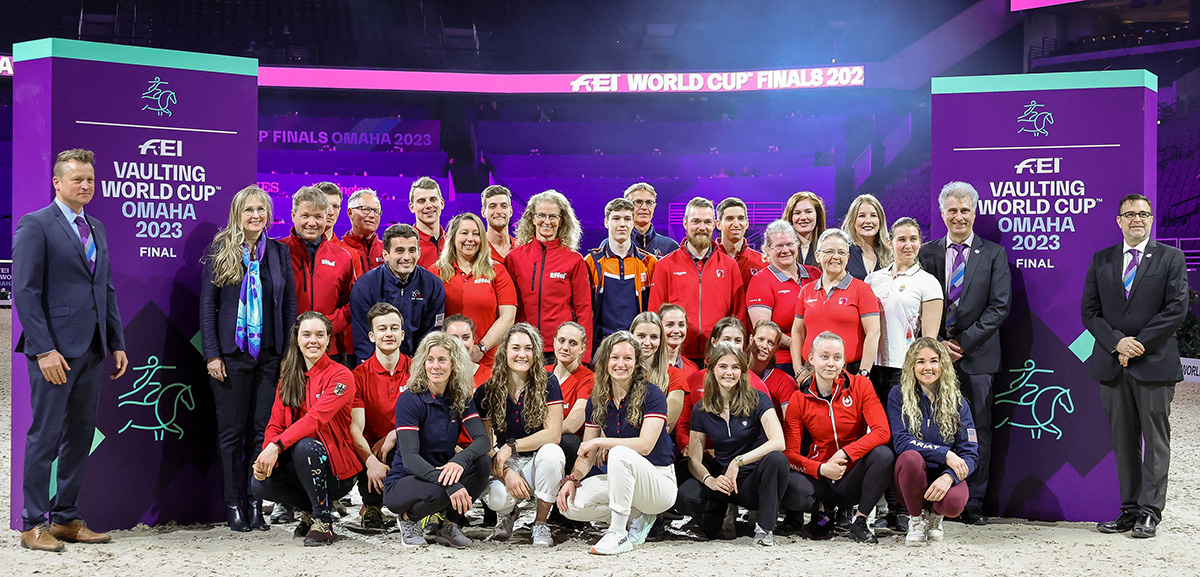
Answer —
(243, 405)
(1140, 411)
(977, 389)
(64, 424)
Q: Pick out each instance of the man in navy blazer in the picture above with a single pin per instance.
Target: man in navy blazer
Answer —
(974, 273)
(63, 292)
(1134, 300)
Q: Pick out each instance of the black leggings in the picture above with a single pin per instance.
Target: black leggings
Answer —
(416, 498)
(863, 484)
(570, 445)
(304, 480)
(761, 486)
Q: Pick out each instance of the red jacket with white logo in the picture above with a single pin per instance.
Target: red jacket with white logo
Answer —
(707, 289)
(552, 288)
(367, 252)
(816, 428)
(325, 417)
(323, 285)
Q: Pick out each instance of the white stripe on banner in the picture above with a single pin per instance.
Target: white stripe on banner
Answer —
(155, 127)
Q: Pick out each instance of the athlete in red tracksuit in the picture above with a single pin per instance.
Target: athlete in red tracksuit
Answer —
(323, 283)
(366, 250)
(708, 289)
(552, 287)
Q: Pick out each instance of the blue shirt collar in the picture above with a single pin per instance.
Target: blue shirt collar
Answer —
(66, 210)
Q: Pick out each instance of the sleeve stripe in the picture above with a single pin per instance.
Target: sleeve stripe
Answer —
(470, 416)
(654, 416)
(552, 403)
(408, 428)
(759, 306)
(591, 426)
(869, 314)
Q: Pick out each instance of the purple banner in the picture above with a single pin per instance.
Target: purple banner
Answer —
(372, 134)
(1051, 155)
(174, 138)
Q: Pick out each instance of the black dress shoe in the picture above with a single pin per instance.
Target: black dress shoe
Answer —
(255, 517)
(236, 518)
(1121, 524)
(1146, 527)
(972, 517)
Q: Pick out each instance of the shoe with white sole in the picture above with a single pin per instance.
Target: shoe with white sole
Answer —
(412, 535)
(761, 537)
(933, 527)
(916, 531)
(542, 537)
(450, 535)
(612, 543)
(640, 527)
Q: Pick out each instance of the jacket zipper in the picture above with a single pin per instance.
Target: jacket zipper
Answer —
(700, 305)
(540, 283)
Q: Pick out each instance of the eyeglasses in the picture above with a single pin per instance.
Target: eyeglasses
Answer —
(643, 203)
(1132, 215)
(251, 211)
(838, 253)
(547, 217)
(368, 210)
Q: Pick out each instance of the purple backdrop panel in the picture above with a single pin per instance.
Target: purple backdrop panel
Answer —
(350, 162)
(174, 138)
(392, 191)
(373, 134)
(653, 165)
(1051, 155)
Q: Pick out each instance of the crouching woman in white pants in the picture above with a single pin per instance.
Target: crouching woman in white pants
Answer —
(626, 452)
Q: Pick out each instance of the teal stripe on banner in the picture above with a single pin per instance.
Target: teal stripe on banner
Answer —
(121, 54)
(1046, 81)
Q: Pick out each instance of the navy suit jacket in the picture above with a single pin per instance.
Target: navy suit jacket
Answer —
(60, 303)
(218, 305)
(1154, 311)
(983, 306)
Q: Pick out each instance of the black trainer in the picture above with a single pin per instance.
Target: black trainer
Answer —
(859, 530)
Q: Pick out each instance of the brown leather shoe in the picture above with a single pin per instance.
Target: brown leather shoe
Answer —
(77, 532)
(40, 539)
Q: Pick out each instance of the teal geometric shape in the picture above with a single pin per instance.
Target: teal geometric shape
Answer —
(196, 343)
(1082, 347)
(96, 440)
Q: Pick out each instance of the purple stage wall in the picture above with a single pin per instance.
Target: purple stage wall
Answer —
(367, 134)
(1051, 155)
(643, 166)
(174, 137)
(411, 164)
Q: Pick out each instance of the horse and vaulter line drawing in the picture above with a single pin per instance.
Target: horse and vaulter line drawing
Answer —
(165, 399)
(1043, 402)
(162, 98)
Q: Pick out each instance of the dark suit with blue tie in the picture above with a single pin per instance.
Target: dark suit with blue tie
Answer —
(63, 306)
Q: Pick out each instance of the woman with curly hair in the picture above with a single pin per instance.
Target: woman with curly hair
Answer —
(934, 436)
(521, 407)
(626, 431)
(476, 287)
(427, 476)
(647, 328)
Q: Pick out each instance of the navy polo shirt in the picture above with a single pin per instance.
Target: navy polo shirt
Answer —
(514, 421)
(617, 425)
(737, 436)
(437, 426)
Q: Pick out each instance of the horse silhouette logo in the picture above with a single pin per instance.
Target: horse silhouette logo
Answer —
(1035, 406)
(164, 399)
(1037, 119)
(161, 99)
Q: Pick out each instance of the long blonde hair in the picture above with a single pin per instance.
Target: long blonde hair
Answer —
(602, 388)
(656, 365)
(883, 239)
(495, 390)
(569, 231)
(742, 399)
(225, 252)
(447, 262)
(462, 381)
(947, 399)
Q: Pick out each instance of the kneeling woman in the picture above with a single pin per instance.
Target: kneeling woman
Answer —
(521, 407)
(748, 441)
(932, 431)
(308, 459)
(837, 434)
(626, 431)
(427, 476)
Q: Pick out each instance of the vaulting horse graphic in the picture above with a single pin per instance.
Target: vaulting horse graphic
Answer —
(165, 399)
(1039, 119)
(162, 99)
(1035, 405)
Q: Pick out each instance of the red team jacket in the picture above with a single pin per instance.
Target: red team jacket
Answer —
(552, 287)
(367, 252)
(323, 285)
(324, 417)
(708, 290)
(816, 428)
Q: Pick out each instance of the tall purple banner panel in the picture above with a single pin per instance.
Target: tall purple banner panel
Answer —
(1051, 156)
(175, 138)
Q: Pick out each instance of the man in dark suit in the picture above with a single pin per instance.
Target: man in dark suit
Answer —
(978, 284)
(1134, 300)
(63, 292)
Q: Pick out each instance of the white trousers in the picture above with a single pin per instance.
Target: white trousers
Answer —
(543, 472)
(632, 483)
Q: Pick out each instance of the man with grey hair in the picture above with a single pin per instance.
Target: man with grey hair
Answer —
(974, 273)
(426, 203)
(361, 242)
(644, 197)
(704, 281)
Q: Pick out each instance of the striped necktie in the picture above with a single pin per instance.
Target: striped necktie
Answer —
(958, 272)
(89, 244)
(1130, 271)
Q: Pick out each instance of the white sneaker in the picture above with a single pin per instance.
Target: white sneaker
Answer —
(640, 527)
(612, 543)
(542, 536)
(916, 531)
(933, 526)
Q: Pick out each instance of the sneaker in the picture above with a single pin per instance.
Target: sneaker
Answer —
(431, 523)
(450, 535)
(761, 537)
(282, 514)
(640, 528)
(504, 526)
(729, 524)
(859, 531)
(542, 536)
(898, 525)
(933, 523)
(880, 526)
(371, 516)
(917, 534)
(412, 534)
(321, 533)
(306, 522)
(820, 526)
(612, 543)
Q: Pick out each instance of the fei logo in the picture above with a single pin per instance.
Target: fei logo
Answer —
(160, 147)
(595, 83)
(1052, 165)
(1037, 119)
(161, 99)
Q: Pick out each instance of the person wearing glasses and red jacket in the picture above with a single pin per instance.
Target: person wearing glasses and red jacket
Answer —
(361, 242)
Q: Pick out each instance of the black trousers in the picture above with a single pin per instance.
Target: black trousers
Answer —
(862, 485)
(885, 379)
(570, 445)
(977, 389)
(761, 486)
(369, 497)
(63, 425)
(416, 499)
(1140, 412)
(243, 405)
(304, 480)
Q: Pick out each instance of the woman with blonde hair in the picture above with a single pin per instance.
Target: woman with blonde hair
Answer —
(476, 287)
(934, 436)
(647, 328)
(806, 212)
(871, 248)
(247, 307)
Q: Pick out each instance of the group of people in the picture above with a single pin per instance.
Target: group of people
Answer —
(433, 367)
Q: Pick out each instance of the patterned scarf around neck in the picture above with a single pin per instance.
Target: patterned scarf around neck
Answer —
(248, 334)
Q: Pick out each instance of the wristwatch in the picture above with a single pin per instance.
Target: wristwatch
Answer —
(738, 460)
(865, 372)
(512, 445)
(482, 349)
